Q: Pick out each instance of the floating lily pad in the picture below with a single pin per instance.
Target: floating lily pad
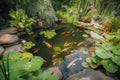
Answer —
(85, 35)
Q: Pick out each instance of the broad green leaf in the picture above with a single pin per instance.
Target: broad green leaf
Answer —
(47, 75)
(100, 52)
(116, 59)
(110, 66)
(12, 56)
(85, 64)
(34, 64)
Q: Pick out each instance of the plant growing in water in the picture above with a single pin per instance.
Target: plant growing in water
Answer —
(15, 66)
(107, 53)
(48, 33)
(28, 45)
(21, 20)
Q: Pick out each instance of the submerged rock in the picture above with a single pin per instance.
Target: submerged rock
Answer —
(1, 50)
(95, 35)
(89, 74)
(8, 38)
(14, 48)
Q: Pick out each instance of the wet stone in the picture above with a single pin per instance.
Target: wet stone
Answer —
(95, 35)
(8, 38)
(14, 48)
(89, 74)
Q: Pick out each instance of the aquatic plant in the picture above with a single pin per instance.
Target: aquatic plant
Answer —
(28, 45)
(21, 20)
(107, 53)
(29, 68)
(48, 33)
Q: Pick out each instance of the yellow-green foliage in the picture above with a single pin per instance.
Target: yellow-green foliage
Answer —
(111, 24)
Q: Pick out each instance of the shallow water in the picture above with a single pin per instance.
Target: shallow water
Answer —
(69, 35)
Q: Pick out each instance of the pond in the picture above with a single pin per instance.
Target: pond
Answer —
(53, 50)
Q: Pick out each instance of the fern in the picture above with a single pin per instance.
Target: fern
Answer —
(42, 9)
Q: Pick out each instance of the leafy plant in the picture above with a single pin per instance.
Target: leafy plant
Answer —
(104, 8)
(27, 68)
(28, 45)
(107, 53)
(21, 20)
(48, 33)
(111, 24)
(41, 8)
(83, 8)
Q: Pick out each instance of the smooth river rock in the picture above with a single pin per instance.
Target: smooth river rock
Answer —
(8, 38)
(14, 48)
(1, 50)
(89, 74)
(95, 35)
(10, 30)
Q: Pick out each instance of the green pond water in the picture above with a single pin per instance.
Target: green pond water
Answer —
(66, 39)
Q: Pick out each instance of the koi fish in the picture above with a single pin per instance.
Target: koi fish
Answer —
(35, 50)
(63, 33)
(47, 44)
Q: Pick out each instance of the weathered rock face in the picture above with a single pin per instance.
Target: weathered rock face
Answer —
(1, 50)
(89, 74)
(8, 38)
(95, 35)
(8, 31)
(14, 48)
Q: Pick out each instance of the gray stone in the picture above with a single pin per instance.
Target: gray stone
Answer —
(8, 38)
(89, 74)
(8, 31)
(95, 35)
(14, 48)
(57, 71)
(1, 50)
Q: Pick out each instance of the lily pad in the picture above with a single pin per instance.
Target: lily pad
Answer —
(116, 59)
(110, 66)
(85, 35)
(103, 53)
(85, 64)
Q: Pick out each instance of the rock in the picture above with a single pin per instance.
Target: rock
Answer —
(57, 71)
(89, 74)
(1, 50)
(8, 31)
(14, 48)
(8, 38)
(95, 35)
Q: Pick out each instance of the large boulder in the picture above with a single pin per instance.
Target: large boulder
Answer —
(89, 74)
(14, 48)
(8, 38)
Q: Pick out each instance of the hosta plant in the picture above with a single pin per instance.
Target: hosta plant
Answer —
(23, 66)
(21, 20)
